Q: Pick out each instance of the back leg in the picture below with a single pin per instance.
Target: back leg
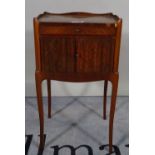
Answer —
(49, 97)
(105, 99)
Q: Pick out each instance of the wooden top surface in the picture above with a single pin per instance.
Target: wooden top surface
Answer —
(78, 17)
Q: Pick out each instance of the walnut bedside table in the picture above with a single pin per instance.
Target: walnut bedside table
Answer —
(77, 47)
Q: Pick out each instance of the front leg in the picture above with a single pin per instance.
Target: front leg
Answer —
(40, 108)
(112, 110)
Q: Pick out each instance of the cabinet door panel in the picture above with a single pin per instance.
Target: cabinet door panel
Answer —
(95, 54)
(57, 54)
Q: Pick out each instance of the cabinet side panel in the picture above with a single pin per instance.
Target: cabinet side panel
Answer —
(117, 45)
(37, 44)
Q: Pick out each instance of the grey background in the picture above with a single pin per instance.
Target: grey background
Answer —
(35, 7)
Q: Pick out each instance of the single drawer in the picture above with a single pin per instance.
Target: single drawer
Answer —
(47, 29)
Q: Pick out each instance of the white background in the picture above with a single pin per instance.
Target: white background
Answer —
(35, 7)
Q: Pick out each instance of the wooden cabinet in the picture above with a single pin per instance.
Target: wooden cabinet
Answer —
(77, 47)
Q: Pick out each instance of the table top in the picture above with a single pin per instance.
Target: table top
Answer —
(78, 17)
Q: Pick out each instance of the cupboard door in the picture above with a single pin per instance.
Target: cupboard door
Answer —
(95, 54)
(57, 54)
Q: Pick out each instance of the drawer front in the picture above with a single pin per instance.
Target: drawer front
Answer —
(77, 30)
(95, 54)
(57, 54)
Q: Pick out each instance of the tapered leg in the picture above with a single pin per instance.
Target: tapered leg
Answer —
(112, 111)
(40, 109)
(105, 99)
(49, 97)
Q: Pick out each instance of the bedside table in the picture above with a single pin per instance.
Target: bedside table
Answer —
(77, 47)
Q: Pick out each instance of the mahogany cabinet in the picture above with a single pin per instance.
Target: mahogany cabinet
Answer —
(77, 47)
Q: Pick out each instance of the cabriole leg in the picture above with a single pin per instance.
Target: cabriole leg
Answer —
(112, 110)
(105, 99)
(40, 109)
(49, 97)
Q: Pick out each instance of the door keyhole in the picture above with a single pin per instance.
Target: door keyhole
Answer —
(76, 54)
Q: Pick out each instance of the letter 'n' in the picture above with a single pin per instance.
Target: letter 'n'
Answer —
(73, 150)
